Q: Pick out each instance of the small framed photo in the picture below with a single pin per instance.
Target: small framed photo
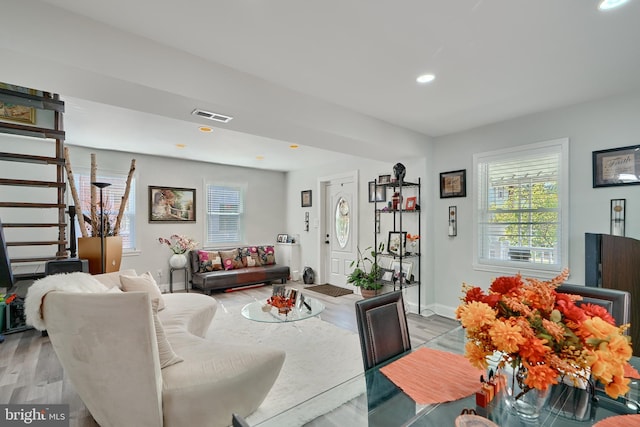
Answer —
(616, 166)
(305, 198)
(407, 267)
(387, 275)
(397, 242)
(377, 193)
(282, 238)
(384, 179)
(453, 184)
(411, 203)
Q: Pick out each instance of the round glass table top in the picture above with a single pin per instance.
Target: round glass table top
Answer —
(260, 311)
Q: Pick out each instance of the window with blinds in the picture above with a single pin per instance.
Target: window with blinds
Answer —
(224, 214)
(521, 207)
(111, 198)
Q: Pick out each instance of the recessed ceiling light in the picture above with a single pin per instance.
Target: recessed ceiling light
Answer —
(260, 157)
(610, 4)
(205, 129)
(294, 146)
(425, 78)
(181, 146)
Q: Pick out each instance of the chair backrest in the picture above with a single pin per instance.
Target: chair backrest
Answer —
(382, 326)
(617, 303)
(106, 343)
(238, 421)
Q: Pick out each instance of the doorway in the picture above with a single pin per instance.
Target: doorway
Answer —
(339, 227)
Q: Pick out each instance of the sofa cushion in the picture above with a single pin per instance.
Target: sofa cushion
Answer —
(144, 282)
(231, 259)
(209, 261)
(249, 256)
(267, 255)
(111, 280)
(167, 356)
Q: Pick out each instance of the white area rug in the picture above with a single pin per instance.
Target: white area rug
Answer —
(319, 356)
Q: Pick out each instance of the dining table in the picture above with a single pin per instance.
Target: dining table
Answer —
(373, 399)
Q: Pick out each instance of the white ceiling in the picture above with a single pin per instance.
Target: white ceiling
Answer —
(493, 60)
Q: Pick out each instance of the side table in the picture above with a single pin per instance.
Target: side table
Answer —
(186, 278)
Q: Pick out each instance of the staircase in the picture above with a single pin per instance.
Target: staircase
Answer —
(32, 135)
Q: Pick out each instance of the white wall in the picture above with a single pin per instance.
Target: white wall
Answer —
(608, 123)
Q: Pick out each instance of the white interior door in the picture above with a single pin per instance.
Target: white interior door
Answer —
(341, 216)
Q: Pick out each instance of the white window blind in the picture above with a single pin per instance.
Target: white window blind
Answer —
(521, 207)
(112, 198)
(225, 206)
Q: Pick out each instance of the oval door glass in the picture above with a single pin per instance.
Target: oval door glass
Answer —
(342, 222)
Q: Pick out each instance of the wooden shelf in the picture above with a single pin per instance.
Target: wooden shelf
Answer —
(38, 243)
(38, 258)
(34, 225)
(32, 131)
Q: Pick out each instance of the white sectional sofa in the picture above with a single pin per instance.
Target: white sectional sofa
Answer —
(108, 344)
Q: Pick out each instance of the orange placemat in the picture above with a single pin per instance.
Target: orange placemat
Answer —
(434, 376)
(619, 421)
(631, 372)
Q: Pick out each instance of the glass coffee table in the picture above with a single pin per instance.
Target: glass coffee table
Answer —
(260, 311)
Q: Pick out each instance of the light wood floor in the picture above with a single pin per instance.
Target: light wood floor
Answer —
(30, 371)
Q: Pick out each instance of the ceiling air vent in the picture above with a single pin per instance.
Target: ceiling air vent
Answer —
(212, 116)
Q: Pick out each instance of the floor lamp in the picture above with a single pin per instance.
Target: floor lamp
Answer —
(101, 185)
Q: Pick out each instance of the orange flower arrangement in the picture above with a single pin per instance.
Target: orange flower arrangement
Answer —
(279, 301)
(544, 331)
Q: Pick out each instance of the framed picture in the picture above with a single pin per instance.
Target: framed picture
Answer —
(397, 242)
(305, 197)
(407, 267)
(377, 193)
(453, 184)
(411, 203)
(384, 179)
(171, 204)
(16, 112)
(616, 166)
(282, 238)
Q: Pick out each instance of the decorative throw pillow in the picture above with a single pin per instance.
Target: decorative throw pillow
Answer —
(231, 259)
(144, 282)
(267, 255)
(249, 256)
(209, 261)
(168, 357)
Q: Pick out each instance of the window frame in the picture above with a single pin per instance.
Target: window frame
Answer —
(130, 212)
(242, 188)
(561, 146)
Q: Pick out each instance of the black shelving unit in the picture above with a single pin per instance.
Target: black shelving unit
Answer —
(386, 208)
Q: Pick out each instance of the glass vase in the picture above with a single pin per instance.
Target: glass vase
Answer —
(527, 402)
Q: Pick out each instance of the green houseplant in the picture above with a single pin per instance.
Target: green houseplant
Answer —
(368, 281)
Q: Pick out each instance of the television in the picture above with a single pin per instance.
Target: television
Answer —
(6, 275)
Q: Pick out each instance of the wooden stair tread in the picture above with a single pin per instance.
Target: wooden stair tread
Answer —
(32, 131)
(31, 183)
(31, 205)
(35, 101)
(39, 258)
(28, 158)
(33, 225)
(38, 243)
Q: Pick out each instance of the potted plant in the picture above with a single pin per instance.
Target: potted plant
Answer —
(368, 281)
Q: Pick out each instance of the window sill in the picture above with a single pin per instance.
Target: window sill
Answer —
(131, 252)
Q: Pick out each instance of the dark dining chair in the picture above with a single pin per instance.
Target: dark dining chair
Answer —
(617, 303)
(238, 421)
(382, 327)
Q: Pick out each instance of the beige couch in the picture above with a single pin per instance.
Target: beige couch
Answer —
(108, 346)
